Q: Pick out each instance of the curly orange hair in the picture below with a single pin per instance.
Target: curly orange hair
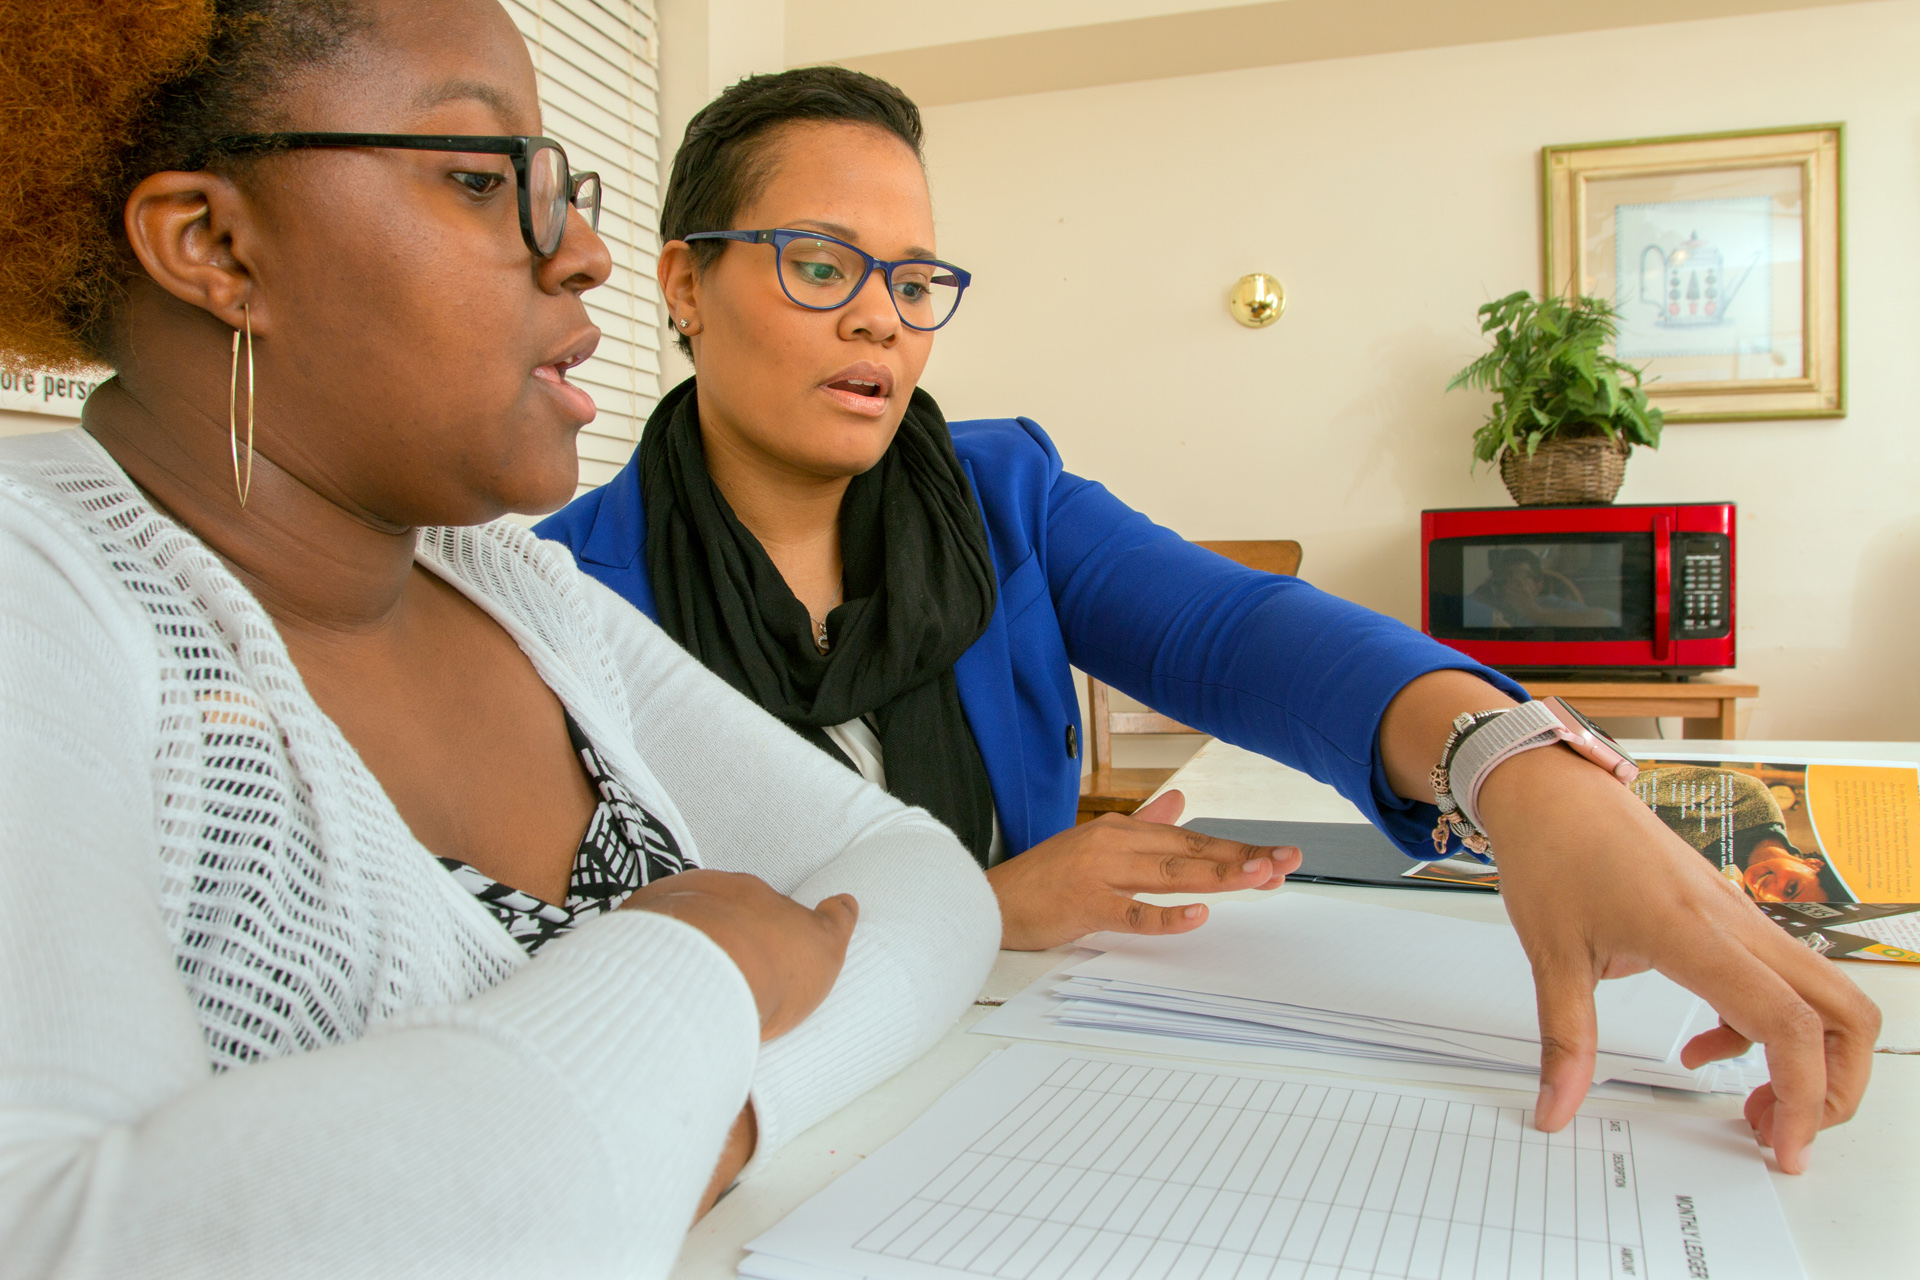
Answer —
(96, 95)
(76, 76)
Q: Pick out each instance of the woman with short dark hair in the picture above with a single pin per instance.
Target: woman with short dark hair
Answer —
(379, 895)
(908, 597)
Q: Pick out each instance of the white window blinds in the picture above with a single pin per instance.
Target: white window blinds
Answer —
(598, 62)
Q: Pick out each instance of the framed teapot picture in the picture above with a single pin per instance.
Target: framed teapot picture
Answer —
(1722, 253)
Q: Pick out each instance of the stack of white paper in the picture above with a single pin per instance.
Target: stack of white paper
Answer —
(1318, 974)
(1057, 1164)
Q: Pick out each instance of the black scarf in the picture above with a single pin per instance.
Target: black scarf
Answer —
(918, 590)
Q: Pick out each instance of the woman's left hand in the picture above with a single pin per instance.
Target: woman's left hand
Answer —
(1597, 888)
(1083, 880)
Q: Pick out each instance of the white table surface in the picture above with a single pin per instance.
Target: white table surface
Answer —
(1855, 1216)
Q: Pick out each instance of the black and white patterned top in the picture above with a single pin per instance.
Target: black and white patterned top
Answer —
(624, 847)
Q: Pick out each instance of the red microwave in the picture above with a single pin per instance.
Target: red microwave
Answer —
(1582, 589)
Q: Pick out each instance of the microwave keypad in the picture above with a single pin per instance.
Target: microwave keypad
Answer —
(1703, 586)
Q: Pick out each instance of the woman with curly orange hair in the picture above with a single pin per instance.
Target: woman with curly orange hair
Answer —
(380, 895)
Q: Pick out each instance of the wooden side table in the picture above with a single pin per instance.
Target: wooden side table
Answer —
(1705, 703)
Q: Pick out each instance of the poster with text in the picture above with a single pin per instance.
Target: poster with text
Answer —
(58, 395)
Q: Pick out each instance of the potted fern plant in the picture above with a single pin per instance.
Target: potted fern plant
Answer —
(1568, 412)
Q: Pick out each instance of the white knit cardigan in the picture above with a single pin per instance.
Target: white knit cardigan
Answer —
(249, 1026)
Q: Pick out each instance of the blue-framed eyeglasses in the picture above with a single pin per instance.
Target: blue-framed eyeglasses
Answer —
(821, 273)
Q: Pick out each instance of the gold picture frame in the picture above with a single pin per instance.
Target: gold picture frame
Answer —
(1723, 252)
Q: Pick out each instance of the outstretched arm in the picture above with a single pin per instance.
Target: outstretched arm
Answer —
(1263, 661)
(1597, 887)
(1266, 662)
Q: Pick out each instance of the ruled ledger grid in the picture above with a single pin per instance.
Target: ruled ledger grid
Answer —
(1130, 1172)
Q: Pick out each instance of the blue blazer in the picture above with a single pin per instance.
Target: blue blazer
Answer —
(1266, 662)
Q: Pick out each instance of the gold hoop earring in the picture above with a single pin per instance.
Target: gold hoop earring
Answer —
(241, 487)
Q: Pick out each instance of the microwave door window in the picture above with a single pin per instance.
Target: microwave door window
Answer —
(1543, 587)
(1514, 586)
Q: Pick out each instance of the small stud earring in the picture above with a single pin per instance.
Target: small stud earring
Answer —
(685, 323)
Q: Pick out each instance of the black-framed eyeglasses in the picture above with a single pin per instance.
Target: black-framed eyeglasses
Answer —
(821, 273)
(546, 186)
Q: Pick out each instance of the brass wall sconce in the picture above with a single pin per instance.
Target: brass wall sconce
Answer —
(1257, 300)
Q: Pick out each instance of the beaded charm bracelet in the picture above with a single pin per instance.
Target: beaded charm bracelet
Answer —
(1482, 740)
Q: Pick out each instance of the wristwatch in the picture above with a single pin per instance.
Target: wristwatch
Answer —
(1483, 740)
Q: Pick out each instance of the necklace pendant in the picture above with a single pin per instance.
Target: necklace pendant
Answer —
(820, 640)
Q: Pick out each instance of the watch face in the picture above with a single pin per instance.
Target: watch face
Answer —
(1602, 740)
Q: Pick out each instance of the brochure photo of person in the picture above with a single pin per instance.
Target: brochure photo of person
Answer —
(1737, 818)
(1829, 850)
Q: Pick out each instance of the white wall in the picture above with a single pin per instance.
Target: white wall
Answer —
(941, 52)
(1393, 194)
(706, 45)
(828, 30)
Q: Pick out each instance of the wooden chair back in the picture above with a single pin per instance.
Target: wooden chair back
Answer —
(1111, 790)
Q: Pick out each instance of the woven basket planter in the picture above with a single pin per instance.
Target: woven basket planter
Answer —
(1565, 472)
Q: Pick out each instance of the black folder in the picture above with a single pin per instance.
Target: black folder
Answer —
(1331, 852)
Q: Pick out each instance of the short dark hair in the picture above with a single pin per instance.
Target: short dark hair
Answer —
(1504, 558)
(723, 160)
